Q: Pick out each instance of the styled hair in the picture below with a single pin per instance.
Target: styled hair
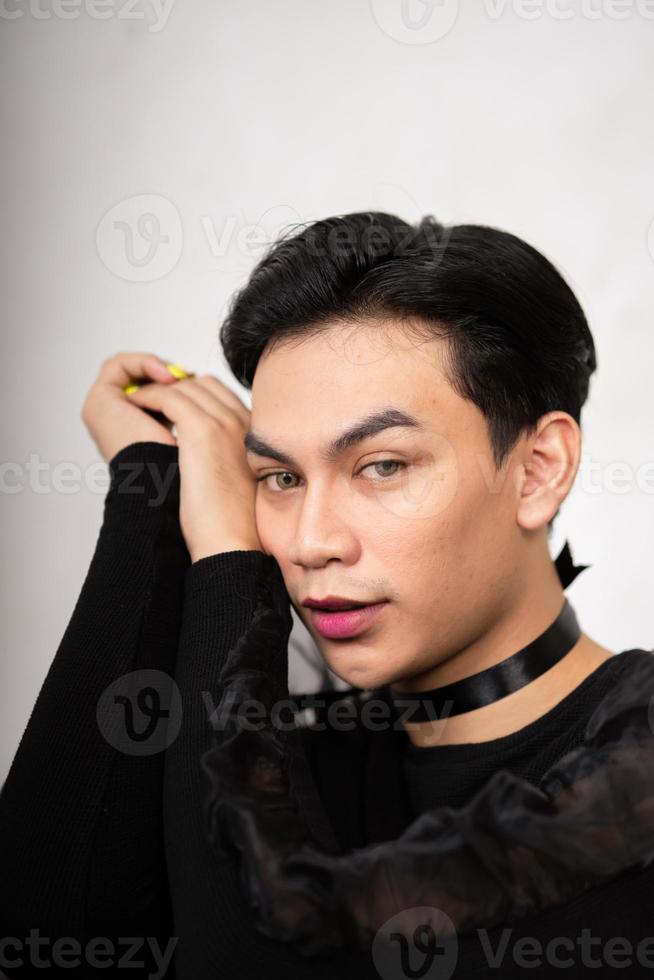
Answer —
(519, 345)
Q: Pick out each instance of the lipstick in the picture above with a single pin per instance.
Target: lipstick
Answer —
(340, 625)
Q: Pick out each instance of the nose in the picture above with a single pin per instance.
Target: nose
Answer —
(323, 530)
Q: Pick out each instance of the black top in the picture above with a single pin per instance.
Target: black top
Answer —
(102, 836)
(448, 775)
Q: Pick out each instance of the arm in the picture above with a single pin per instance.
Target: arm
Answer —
(213, 918)
(80, 812)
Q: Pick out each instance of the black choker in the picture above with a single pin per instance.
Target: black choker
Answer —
(497, 681)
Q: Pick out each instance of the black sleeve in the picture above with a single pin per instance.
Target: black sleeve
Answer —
(225, 595)
(81, 837)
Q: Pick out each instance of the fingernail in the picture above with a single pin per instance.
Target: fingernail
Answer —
(131, 388)
(178, 371)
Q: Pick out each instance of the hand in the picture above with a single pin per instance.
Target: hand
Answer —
(113, 422)
(217, 488)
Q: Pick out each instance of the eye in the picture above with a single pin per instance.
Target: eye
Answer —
(267, 476)
(385, 462)
(377, 462)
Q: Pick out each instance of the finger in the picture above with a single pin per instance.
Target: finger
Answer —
(175, 402)
(228, 397)
(207, 401)
(128, 366)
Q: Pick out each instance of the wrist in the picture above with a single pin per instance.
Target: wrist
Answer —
(218, 548)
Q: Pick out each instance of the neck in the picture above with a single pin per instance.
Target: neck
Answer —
(509, 714)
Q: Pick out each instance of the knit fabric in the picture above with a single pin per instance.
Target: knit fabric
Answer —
(450, 774)
(97, 840)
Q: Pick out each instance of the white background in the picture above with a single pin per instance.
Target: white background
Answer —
(536, 118)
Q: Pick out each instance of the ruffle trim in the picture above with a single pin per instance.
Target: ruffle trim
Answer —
(513, 850)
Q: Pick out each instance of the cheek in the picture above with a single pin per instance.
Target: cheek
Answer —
(273, 533)
(265, 531)
(434, 562)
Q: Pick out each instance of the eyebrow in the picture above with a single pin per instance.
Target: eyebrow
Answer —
(388, 418)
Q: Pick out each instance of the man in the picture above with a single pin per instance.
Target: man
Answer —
(479, 803)
(415, 428)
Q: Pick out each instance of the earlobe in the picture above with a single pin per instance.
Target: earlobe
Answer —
(532, 506)
(549, 469)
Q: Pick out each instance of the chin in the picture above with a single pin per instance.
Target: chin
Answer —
(362, 677)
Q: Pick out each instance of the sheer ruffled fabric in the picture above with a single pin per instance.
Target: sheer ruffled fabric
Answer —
(515, 849)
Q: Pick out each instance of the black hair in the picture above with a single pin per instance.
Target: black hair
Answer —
(519, 345)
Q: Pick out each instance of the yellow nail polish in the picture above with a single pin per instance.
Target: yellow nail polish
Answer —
(178, 371)
(130, 388)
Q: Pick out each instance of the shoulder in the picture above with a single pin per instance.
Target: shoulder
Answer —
(632, 690)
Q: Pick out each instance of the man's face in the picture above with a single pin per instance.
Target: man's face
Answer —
(416, 515)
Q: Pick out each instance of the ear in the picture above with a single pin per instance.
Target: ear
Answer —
(549, 467)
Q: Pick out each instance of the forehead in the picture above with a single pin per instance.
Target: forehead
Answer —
(352, 362)
(308, 390)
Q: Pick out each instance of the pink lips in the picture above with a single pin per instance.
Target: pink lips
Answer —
(348, 622)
